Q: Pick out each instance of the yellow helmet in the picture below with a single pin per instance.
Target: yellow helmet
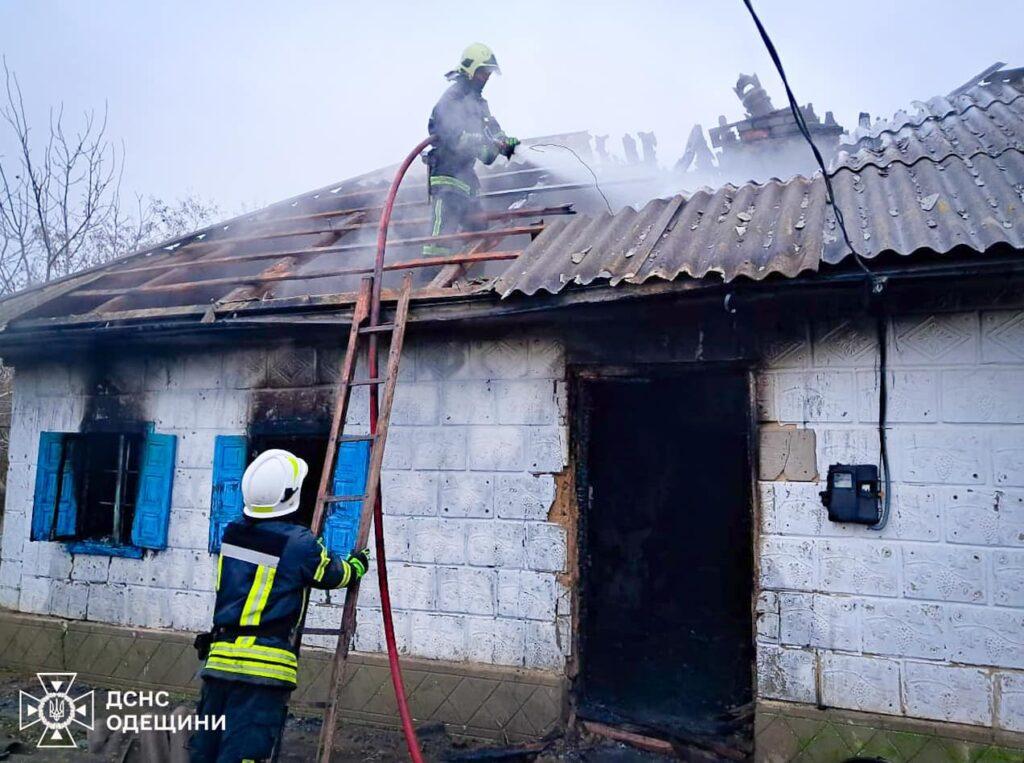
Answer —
(476, 56)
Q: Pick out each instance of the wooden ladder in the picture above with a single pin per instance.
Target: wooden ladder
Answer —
(358, 333)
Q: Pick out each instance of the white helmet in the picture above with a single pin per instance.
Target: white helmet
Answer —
(272, 483)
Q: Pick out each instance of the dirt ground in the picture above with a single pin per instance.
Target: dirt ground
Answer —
(354, 743)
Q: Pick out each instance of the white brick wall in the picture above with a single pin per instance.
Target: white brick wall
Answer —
(860, 683)
(925, 618)
(478, 430)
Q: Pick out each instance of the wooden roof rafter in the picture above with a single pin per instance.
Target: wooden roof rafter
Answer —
(245, 257)
(176, 277)
(424, 262)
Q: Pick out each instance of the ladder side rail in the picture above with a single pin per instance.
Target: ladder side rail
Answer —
(342, 394)
(370, 502)
(341, 398)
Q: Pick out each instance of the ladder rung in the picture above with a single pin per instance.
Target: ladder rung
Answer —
(342, 498)
(356, 437)
(319, 631)
(378, 329)
(363, 382)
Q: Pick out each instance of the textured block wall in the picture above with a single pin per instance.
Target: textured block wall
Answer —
(925, 618)
(477, 435)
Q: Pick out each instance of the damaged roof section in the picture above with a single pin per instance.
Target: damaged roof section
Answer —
(320, 243)
(987, 119)
(950, 176)
(1002, 86)
(945, 177)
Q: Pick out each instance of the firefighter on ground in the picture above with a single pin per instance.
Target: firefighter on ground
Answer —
(267, 565)
(464, 133)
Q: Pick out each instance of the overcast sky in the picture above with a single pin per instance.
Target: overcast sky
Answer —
(250, 102)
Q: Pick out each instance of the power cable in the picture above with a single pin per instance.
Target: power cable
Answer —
(877, 283)
(883, 398)
(538, 146)
(801, 124)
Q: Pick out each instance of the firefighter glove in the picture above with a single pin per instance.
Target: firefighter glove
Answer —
(507, 146)
(359, 561)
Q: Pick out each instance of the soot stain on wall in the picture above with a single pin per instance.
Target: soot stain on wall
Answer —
(112, 403)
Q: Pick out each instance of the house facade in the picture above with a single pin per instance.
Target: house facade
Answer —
(919, 620)
(602, 484)
(469, 483)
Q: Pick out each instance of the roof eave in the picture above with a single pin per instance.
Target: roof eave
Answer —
(484, 308)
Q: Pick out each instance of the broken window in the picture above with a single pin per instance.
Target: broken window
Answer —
(104, 492)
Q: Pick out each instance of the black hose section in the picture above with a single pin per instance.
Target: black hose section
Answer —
(876, 283)
(801, 124)
(883, 404)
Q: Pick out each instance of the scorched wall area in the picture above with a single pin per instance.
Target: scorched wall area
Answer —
(478, 433)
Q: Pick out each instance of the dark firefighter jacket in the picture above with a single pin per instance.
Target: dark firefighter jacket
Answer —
(465, 132)
(264, 573)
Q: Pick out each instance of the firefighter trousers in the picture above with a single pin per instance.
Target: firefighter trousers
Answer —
(453, 206)
(253, 717)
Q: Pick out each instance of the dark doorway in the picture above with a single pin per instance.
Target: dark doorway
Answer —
(666, 637)
(311, 449)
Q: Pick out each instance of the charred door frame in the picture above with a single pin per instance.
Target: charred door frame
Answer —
(579, 376)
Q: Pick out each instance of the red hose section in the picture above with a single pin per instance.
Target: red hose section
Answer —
(378, 514)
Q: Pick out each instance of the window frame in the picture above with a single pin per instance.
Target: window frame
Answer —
(341, 522)
(57, 473)
(121, 529)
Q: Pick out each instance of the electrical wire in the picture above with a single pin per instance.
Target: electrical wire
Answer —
(877, 283)
(801, 124)
(538, 146)
(883, 397)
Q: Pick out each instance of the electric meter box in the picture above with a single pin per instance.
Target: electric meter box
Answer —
(851, 494)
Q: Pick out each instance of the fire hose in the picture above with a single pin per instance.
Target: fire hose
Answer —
(408, 730)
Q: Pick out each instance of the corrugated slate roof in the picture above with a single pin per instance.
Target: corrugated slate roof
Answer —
(783, 227)
(731, 232)
(940, 107)
(975, 202)
(987, 130)
(949, 174)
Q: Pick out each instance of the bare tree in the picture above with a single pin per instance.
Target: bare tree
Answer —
(61, 206)
(61, 209)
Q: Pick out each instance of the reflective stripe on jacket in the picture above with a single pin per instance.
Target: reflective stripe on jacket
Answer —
(264, 573)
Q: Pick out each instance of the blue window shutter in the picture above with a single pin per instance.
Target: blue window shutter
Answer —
(230, 453)
(67, 506)
(342, 522)
(153, 504)
(44, 501)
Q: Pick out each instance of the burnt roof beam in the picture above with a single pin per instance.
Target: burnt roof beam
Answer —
(525, 230)
(423, 262)
(280, 266)
(560, 209)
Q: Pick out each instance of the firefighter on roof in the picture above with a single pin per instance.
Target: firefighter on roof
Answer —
(464, 133)
(267, 565)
